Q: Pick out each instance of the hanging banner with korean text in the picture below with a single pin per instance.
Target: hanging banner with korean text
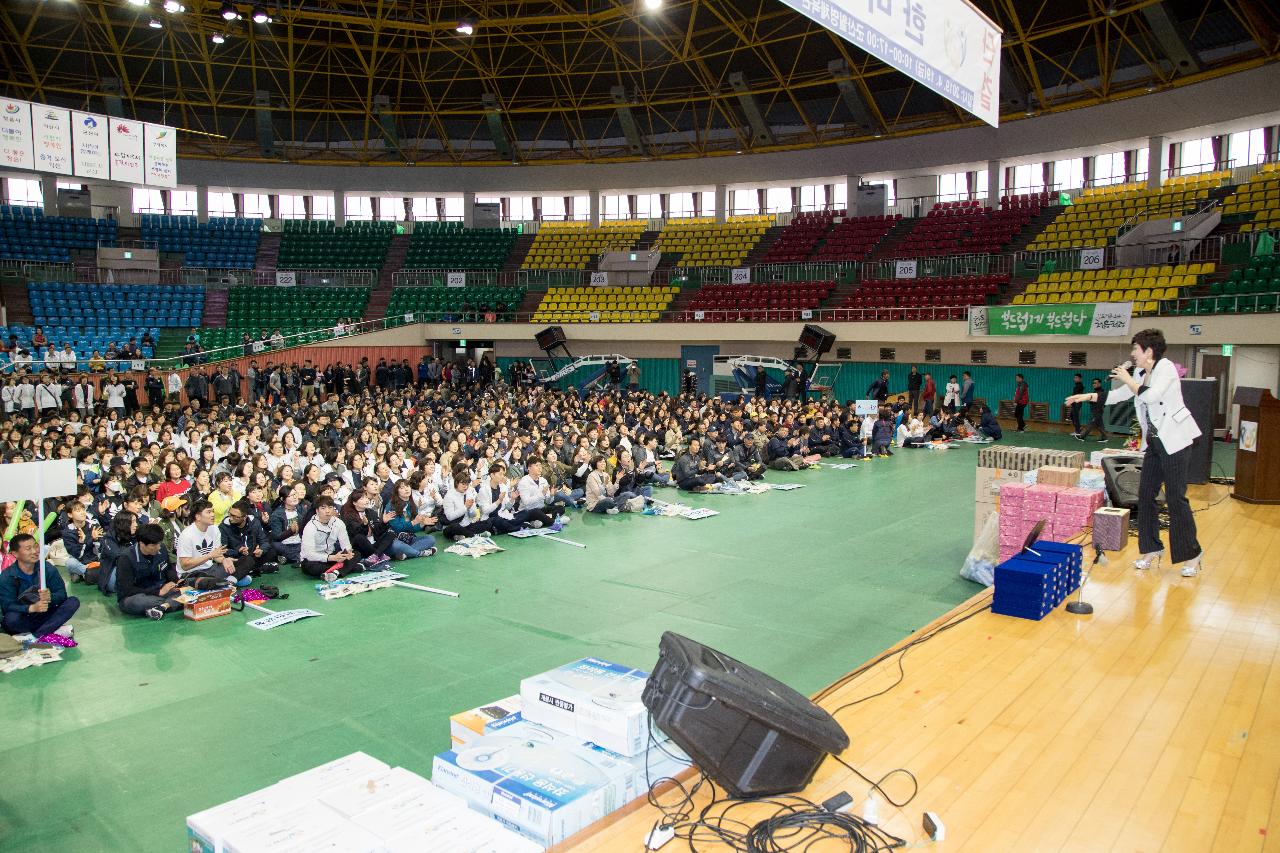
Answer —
(89, 146)
(946, 45)
(52, 134)
(126, 151)
(15, 135)
(162, 156)
(1094, 319)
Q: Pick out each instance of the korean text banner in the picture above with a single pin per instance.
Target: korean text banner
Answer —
(15, 134)
(946, 45)
(161, 155)
(89, 141)
(52, 134)
(1098, 319)
(126, 151)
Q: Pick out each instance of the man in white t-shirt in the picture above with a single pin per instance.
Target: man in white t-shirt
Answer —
(200, 548)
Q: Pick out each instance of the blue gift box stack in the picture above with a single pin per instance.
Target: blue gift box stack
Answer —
(1031, 584)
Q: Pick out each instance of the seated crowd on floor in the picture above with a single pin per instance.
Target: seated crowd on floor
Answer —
(339, 469)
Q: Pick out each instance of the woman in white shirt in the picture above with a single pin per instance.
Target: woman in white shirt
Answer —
(1168, 429)
(951, 401)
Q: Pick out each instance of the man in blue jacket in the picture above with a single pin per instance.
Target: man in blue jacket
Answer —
(146, 576)
(27, 608)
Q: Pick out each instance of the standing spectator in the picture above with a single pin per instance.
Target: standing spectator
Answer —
(951, 401)
(929, 395)
(1021, 397)
(966, 391)
(914, 380)
(879, 388)
(1077, 388)
(633, 375)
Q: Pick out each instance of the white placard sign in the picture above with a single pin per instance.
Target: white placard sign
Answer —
(286, 278)
(15, 135)
(52, 133)
(946, 45)
(456, 279)
(862, 408)
(806, 314)
(126, 151)
(408, 317)
(1092, 259)
(740, 275)
(161, 155)
(904, 269)
(599, 279)
(282, 617)
(89, 146)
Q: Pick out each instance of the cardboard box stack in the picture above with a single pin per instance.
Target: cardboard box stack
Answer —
(355, 804)
(580, 747)
(1065, 511)
(1031, 584)
(1000, 465)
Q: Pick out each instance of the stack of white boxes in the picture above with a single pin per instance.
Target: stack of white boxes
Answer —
(355, 804)
(579, 747)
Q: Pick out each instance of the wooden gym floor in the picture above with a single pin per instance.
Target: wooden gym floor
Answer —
(1153, 724)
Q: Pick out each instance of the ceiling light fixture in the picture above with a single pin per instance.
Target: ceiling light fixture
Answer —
(652, 5)
(229, 12)
(466, 27)
(260, 15)
(217, 38)
(173, 7)
(137, 2)
(155, 24)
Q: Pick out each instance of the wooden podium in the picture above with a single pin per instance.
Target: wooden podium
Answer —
(1258, 466)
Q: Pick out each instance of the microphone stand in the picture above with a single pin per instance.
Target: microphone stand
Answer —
(1080, 607)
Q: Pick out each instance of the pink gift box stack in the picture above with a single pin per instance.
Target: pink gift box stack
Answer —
(1013, 527)
(1065, 511)
(1075, 512)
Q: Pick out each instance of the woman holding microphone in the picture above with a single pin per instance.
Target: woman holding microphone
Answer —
(1167, 432)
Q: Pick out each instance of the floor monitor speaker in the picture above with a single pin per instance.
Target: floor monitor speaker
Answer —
(1122, 474)
(750, 733)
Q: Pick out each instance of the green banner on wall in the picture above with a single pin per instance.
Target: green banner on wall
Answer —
(1097, 319)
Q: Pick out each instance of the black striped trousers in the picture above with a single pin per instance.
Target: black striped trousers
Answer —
(1169, 469)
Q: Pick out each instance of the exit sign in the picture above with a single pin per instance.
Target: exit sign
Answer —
(1227, 349)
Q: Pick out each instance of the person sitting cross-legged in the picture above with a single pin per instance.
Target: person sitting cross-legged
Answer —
(326, 551)
(29, 608)
(146, 576)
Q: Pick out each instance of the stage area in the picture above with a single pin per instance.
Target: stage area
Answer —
(1138, 721)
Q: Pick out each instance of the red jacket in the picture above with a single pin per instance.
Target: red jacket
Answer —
(1021, 394)
(930, 390)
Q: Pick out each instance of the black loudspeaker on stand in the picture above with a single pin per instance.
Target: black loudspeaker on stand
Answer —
(1122, 475)
(749, 733)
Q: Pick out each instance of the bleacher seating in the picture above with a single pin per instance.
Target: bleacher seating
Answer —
(319, 244)
(797, 241)
(84, 341)
(444, 304)
(115, 306)
(967, 227)
(1258, 198)
(707, 243)
(773, 302)
(1144, 286)
(26, 234)
(622, 304)
(1249, 289)
(449, 246)
(576, 245)
(855, 237)
(258, 309)
(220, 243)
(949, 294)
(1095, 217)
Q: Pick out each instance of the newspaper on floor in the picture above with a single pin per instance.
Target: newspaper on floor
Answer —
(785, 487)
(29, 658)
(839, 466)
(474, 546)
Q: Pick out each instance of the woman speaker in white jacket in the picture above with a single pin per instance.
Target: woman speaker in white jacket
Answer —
(1168, 429)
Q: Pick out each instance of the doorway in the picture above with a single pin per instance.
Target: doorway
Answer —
(1215, 365)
